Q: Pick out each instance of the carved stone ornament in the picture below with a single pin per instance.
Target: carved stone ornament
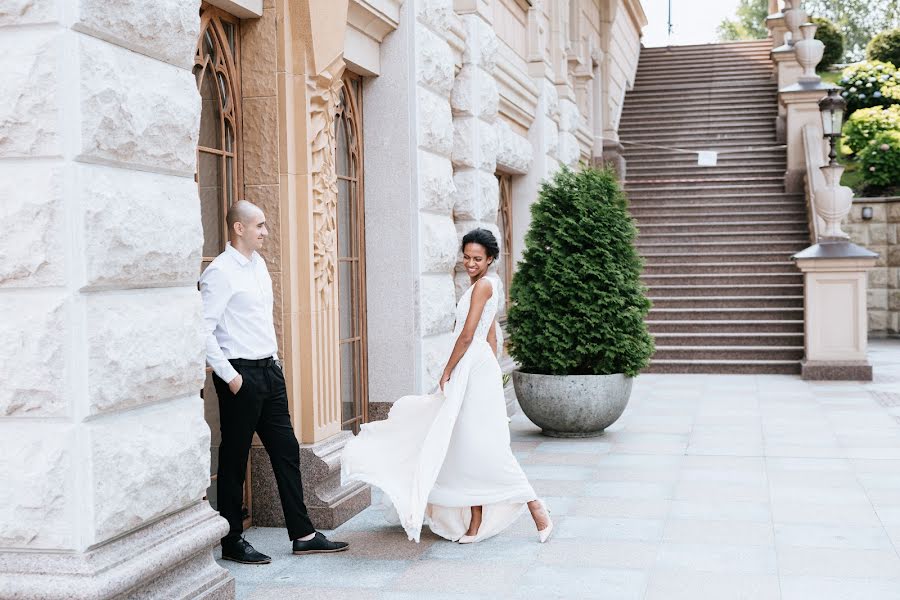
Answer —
(324, 95)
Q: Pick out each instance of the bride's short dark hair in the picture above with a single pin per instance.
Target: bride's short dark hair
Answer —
(484, 238)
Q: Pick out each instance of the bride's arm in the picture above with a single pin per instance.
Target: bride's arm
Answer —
(480, 295)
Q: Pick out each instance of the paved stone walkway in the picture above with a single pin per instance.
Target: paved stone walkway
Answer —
(709, 486)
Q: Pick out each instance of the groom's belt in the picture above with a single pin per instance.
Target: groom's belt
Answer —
(246, 362)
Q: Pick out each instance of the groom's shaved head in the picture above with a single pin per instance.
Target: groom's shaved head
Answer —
(240, 212)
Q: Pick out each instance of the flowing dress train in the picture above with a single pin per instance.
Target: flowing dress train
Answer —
(437, 455)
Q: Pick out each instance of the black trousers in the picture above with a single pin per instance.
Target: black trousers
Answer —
(261, 405)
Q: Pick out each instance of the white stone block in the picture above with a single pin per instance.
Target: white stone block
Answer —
(550, 98)
(36, 497)
(31, 210)
(143, 346)
(475, 93)
(438, 239)
(569, 151)
(482, 45)
(435, 353)
(145, 464)
(570, 117)
(140, 228)
(435, 182)
(435, 14)
(474, 144)
(514, 152)
(477, 196)
(437, 303)
(28, 12)
(163, 29)
(136, 111)
(32, 354)
(434, 62)
(551, 136)
(29, 96)
(435, 123)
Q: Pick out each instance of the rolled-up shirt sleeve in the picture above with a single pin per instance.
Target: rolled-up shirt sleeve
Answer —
(216, 292)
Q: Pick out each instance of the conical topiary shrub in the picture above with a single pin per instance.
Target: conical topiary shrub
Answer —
(578, 305)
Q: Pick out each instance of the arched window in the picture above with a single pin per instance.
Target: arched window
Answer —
(218, 148)
(504, 224)
(351, 254)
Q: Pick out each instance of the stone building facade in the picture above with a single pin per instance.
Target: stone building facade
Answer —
(373, 133)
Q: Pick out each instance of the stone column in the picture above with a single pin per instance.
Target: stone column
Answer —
(777, 28)
(103, 446)
(836, 328)
(474, 102)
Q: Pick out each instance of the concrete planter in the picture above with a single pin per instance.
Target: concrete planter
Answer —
(572, 405)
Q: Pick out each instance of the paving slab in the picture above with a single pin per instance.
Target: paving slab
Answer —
(709, 486)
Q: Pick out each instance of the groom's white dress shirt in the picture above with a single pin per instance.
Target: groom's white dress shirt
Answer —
(237, 311)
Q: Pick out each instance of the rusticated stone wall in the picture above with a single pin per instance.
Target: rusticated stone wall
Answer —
(880, 234)
(101, 425)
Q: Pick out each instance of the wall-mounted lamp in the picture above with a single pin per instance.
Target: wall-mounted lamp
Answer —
(867, 213)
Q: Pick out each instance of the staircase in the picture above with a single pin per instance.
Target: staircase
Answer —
(716, 241)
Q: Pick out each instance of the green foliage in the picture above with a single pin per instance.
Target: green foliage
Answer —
(870, 83)
(885, 47)
(578, 304)
(858, 20)
(749, 24)
(865, 124)
(880, 160)
(829, 35)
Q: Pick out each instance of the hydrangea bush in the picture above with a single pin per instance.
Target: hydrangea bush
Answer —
(880, 160)
(578, 304)
(870, 83)
(866, 123)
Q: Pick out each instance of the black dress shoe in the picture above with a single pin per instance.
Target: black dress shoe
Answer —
(241, 551)
(319, 544)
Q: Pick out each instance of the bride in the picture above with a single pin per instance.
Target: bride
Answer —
(444, 459)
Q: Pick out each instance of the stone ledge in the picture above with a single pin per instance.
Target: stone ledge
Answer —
(171, 558)
(835, 370)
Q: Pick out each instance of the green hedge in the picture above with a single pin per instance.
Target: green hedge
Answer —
(865, 124)
(828, 34)
(885, 47)
(880, 160)
(578, 304)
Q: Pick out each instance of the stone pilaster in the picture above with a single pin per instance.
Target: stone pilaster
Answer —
(800, 103)
(105, 451)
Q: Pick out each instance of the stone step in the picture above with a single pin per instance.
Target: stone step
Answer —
(781, 266)
(765, 289)
(728, 353)
(735, 279)
(711, 199)
(725, 367)
(671, 216)
(770, 167)
(649, 211)
(699, 302)
(744, 338)
(726, 314)
(726, 326)
(722, 228)
(789, 247)
(700, 141)
(687, 72)
(688, 148)
(702, 104)
(712, 237)
(656, 75)
(677, 161)
(711, 174)
(676, 131)
(735, 88)
(707, 119)
(755, 255)
(714, 189)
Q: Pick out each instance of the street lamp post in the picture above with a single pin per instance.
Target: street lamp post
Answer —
(832, 203)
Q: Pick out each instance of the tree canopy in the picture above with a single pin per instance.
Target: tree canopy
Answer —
(749, 22)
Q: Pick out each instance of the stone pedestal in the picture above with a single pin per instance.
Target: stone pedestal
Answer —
(104, 451)
(777, 28)
(614, 156)
(836, 326)
(800, 103)
(787, 72)
(329, 503)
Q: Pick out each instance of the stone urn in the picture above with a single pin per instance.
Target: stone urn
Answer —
(572, 406)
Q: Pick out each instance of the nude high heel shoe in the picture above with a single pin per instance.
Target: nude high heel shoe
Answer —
(467, 539)
(544, 534)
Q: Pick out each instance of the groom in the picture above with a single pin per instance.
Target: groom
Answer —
(242, 350)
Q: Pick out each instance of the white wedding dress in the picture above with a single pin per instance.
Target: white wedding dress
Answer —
(438, 455)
